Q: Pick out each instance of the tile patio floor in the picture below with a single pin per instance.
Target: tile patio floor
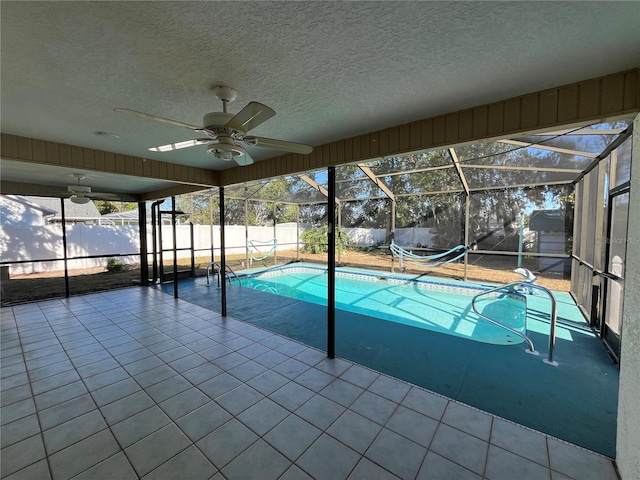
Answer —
(133, 384)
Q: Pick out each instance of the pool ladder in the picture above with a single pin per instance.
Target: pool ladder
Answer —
(228, 274)
(511, 288)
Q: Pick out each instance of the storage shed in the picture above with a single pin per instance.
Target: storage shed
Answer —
(551, 237)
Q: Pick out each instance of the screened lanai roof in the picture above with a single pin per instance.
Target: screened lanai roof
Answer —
(551, 158)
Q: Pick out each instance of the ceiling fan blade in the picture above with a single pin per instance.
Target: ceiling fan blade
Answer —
(104, 196)
(53, 191)
(177, 146)
(280, 145)
(250, 117)
(149, 116)
(244, 160)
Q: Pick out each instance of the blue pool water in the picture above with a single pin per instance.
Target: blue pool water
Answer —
(439, 306)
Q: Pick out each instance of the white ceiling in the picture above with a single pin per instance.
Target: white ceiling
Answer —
(331, 70)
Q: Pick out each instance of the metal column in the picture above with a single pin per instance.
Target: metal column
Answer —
(331, 279)
(213, 255)
(223, 257)
(155, 229)
(246, 233)
(144, 260)
(338, 235)
(467, 192)
(175, 248)
(297, 232)
(520, 240)
(193, 249)
(392, 233)
(466, 232)
(275, 232)
(160, 248)
(393, 221)
(64, 247)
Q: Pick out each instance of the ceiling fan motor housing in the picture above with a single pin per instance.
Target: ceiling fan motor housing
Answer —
(216, 119)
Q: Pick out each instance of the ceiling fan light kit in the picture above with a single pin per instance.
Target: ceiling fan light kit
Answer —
(226, 150)
(226, 132)
(79, 200)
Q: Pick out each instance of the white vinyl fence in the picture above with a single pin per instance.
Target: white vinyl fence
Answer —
(19, 243)
(37, 243)
(407, 237)
(32, 243)
(364, 237)
(412, 237)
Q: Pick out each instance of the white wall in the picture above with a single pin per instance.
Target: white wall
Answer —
(628, 441)
(17, 213)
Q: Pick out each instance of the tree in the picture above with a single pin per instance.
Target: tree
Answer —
(491, 211)
(259, 198)
(568, 199)
(105, 206)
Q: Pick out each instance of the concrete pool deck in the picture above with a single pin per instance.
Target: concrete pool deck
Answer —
(132, 383)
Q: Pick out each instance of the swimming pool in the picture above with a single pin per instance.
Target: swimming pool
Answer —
(443, 307)
(499, 379)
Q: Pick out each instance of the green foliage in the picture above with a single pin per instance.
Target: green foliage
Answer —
(568, 205)
(568, 199)
(205, 209)
(105, 206)
(199, 208)
(373, 213)
(316, 240)
(115, 265)
(568, 248)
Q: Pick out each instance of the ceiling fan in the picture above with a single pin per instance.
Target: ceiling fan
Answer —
(225, 133)
(82, 194)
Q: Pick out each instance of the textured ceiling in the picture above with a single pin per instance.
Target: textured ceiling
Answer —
(331, 70)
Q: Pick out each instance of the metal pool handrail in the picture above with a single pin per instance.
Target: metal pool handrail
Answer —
(531, 350)
(552, 329)
(217, 272)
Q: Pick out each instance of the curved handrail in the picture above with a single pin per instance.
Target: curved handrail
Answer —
(554, 314)
(217, 272)
(531, 350)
